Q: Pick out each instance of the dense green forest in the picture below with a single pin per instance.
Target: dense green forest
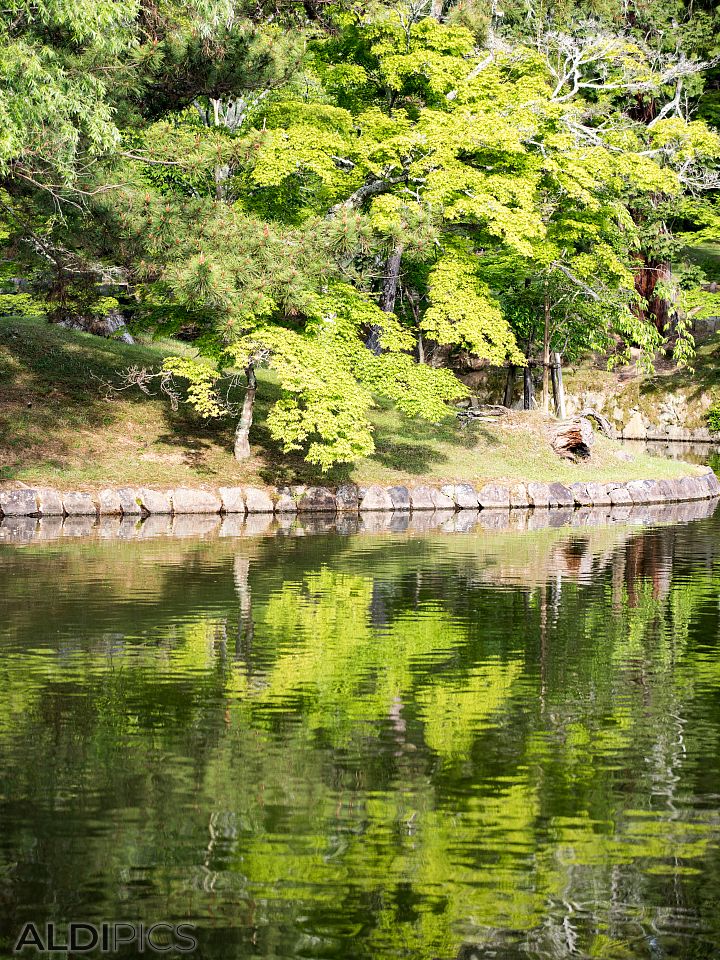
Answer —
(358, 196)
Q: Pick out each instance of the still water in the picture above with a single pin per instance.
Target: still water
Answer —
(411, 744)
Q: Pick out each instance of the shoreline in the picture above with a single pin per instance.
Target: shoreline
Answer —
(348, 499)
(23, 531)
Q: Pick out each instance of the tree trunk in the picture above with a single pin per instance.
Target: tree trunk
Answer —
(389, 294)
(546, 356)
(560, 388)
(436, 8)
(573, 438)
(242, 434)
(528, 389)
(649, 274)
(509, 383)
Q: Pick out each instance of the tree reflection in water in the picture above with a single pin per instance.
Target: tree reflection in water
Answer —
(423, 743)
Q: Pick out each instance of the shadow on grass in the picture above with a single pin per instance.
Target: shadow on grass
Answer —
(55, 383)
(56, 386)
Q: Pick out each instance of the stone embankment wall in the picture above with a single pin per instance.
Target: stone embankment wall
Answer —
(349, 499)
(27, 530)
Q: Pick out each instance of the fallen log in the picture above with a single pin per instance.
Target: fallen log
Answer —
(603, 423)
(573, 439)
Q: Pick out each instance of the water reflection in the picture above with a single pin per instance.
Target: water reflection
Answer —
(395, 742)
(700, 452)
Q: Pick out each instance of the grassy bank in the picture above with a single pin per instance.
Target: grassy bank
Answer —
(60, 425)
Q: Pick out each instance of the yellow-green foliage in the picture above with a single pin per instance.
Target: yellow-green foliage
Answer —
(464, 312)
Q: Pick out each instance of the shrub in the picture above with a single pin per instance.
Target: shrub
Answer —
(712, 418)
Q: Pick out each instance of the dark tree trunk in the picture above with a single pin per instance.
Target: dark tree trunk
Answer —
(388, 295)
(509, 383)
(546, 356)
(242, 434)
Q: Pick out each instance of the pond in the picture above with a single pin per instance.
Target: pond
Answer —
(394, 744)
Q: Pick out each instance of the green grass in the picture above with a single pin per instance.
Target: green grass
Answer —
(59, 425)
(707, 256)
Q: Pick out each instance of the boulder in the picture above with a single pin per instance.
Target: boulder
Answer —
(561, 496)
(598, 494)
(232, 499)
(400, 497)
(109, 502)
(463, 495)
(653, 492)
(186, 500)
(285, 502)
(129, 502)
(620, 497)
(50, 502)
(347, 497)
(639, 491)
(258, 501)
(494, 496)
(712, 483)
(539, 494)
(79, 505)
(635, 428)
(694, 489)
(376, 498)
(154, 501)
(441, 501)
(580, 494)
(421, 499)
(519, 496)
(667, 490)
(317, 500)
(19, 503)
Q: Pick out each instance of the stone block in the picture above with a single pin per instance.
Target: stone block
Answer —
(635, 428)
(285, 502)
(375, 498)
(347, 497)
(129, 502)
(441, 501)
(667, 490)
(494, 496)
(519, 498)
(19, 503)
(599, 494)
(50, 502)
(154, 501)
(463, 495)
(258, 501)
(400, 497)
(317, 500)
(189, 501)
(561, 496)
(639, 491)
(421, 499)
(109, 503)
(232, 499)
(79, 505)
(620, 497)
(539, 494)
(580, 494)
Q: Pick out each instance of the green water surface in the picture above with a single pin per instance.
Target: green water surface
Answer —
(492, 744)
